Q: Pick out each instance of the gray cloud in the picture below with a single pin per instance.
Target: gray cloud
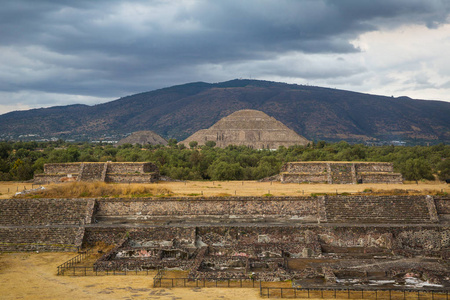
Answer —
(108, 48)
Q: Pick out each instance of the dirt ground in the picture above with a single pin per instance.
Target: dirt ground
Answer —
(254, 188)
(33, 276)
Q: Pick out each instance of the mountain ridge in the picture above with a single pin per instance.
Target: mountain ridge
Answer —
(178, 111)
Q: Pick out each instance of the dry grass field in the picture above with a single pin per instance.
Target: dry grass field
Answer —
(33, 276)
(220, 188)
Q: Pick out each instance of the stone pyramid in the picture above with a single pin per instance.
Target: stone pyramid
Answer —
(250, 128)
(143, 138)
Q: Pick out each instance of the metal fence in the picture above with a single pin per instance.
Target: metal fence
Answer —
(92, 271)
(62, 268)
(337, 293)
(160, 281)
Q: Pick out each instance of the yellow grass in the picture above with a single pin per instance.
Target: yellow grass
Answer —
(220, 189)
(254, 188)
(98, 189)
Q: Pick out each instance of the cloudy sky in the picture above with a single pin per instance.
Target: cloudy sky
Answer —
(59, 52)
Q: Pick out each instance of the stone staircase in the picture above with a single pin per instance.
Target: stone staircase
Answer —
(44, 224)
(381, 209)
(35, 212)
(93, 172)
(41, 238)
(341, 173)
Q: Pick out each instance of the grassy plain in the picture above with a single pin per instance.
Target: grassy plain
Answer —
(221, 188)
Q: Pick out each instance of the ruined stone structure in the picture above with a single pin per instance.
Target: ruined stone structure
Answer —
(250, 128)
(232, 237)
(44, 224)
(107, 172)
(146, 137)
(339, 172)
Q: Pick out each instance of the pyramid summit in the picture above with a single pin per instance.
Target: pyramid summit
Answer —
(248, 127)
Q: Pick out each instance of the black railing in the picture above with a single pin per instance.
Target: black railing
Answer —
(347, 293)
(92, 271)
(266, 292)
(158, 277)
(160, 281)
(62, 268)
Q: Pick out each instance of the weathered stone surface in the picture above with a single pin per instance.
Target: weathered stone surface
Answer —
(145, 137)
(107, 172)
(381, 209)
(44, 212)
(339, 172)
(44, 224)
(250, 128)
(400, 223)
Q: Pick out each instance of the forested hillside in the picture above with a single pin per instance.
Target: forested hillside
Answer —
(177, 112)
(19, 161)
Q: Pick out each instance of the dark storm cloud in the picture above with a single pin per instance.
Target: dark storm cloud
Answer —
(109, 47)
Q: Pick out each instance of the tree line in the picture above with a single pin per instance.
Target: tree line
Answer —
(21, 160)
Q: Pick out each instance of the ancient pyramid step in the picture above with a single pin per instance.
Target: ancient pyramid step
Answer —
(248, 127)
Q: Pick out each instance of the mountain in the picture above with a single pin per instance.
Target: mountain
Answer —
(179, 111)
(248, 127)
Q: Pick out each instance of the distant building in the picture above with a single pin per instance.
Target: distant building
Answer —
(250, 128)
(137, 172)
(339, 172)
(144, 138)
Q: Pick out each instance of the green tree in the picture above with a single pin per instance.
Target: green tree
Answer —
(221, 170)
(5, 149)
(416, 169)
(443, 169)
(21, 170)
(193, 144)
(210, 144)
(172, 142)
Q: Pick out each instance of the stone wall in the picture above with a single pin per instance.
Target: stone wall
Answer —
(443, 208)
(379, 209)
(307, 167)
(380, 177)
(124, 172)
(41, 238)
(52, 224)
(374, 167)
(339, 172)
(44, 224)
(301, 207)
(442, 205)
(295, 178)
(334, 209)
(125, 167)
(107, 235)
(92, 172)
(30, 212)
(132, 178)
(294, 240)
(54, 178)
(62, 168)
